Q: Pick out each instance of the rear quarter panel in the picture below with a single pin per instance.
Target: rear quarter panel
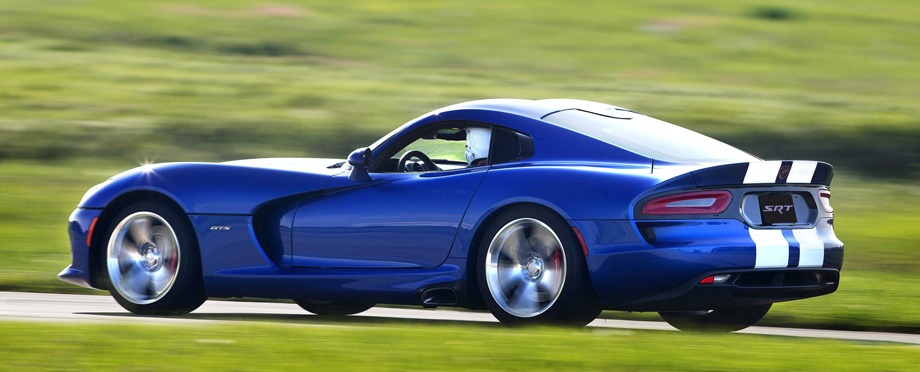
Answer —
(574, 191)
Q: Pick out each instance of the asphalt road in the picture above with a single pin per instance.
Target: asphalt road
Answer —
(41, 307)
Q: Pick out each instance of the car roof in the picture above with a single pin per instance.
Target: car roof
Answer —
(639, 142)
(535, 109)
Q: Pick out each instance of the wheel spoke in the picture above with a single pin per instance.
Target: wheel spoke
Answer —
(509, 273)
(514, 246)
(125, 263)
(139, 230)
(546, 289)
(161, 237)
(158, 280)
(521, 300)
(135, 280)
(128, 256)
(127, 249)
(542, 245)
(512, 281)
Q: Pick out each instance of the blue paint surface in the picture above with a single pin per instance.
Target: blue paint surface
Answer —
(299, 228)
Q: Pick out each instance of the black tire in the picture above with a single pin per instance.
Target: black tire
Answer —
(333, 309)
(728, 319)
(534, 293)
(160, 273)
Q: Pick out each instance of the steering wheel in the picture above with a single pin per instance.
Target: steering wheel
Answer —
(427, 164)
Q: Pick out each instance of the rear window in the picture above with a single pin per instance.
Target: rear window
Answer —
(649, 137)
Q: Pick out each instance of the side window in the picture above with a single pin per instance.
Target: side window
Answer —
(438, 148)
(441, 147)
(508, 146)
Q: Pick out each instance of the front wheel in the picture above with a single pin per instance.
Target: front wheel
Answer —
(728, 319)
(333, 309)
(530, 269)
(152, 261)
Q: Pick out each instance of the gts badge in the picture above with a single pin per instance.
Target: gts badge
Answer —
(767, 208)
(221, 228)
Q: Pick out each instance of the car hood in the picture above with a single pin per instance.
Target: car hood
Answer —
(235, 187)
(313, 165)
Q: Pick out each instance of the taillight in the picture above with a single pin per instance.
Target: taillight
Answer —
(698, 202)
(825, 197)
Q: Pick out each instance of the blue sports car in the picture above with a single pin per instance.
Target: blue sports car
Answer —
(539, 211)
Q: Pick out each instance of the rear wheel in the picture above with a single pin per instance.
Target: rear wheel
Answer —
(333, 309)
(530, 269)
(720, 320)
(152, 262)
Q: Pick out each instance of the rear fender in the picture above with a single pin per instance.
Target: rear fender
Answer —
(572, 191)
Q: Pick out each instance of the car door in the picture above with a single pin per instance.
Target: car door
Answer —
(401, 218)
(396, 220)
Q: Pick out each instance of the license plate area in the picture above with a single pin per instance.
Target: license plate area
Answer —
(804, 202)
(777, 209)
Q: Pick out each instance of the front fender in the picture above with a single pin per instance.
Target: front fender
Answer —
(209, 188)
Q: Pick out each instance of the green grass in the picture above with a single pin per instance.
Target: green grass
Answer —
(345, 346)
(90, 88)
(37, 198)
(228, 79)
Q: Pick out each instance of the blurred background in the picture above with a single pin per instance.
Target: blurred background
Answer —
(91, 88)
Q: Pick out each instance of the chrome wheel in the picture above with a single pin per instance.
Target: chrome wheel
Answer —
(143, 257)
(525, 267)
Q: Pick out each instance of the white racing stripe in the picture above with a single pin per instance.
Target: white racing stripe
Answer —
(802, 171)
(772, 248)
(762, 172)
(811, 248)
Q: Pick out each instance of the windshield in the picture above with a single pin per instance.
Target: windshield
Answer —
(649, 137)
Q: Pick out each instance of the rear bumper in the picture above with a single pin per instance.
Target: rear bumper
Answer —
(658, 265)
(744, 288)
(79, 271)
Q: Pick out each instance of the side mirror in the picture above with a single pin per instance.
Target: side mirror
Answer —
(360, 161)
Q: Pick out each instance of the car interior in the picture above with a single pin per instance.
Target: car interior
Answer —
(442, 147)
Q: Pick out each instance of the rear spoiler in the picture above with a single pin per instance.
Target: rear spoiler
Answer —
(766, 172)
